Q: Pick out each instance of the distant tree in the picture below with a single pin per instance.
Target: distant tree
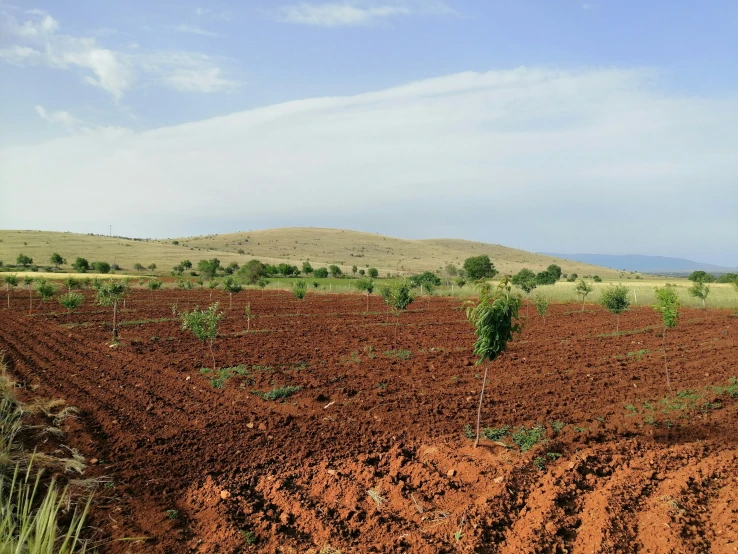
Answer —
(335, 270)
(321, 273)
(700, 290)
(231, 286)
(452, 270)
(362, 272)
(701, 277)
(307, 269)
(667, 303)
(101, 267)
(138, 267)
(546, 278)
(152, 267)
(367, 285)
(23, 260)
(57, 260)
(354, 269)
(252, 271)
(479, 267)
(208, 267)
(186, 264)
(241, 251)
(71, 301)
(525, 279)
(426, 279)
(110, 294)
(204, 325)
(398, 296)
(615, 299)
(460, 282)
(728, 278)
(555, 270)
(597, 279)
(583, 289)
(372, 272)
(212, 285)
(10, 281)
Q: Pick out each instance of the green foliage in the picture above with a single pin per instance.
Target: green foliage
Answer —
(452, 270)
(667, 303)
(307, 269)
(45, 289)
(399, 354)
(262, 283)
(27, 280)
(208, 267)
(525, 439)
(110, 293)
(71, 301)
(299, 288)
(138, 267)
(11, 281)
(426, 279)
(700, 290)
(546, 278)
(542, 302)
(372, 272)
(366, 284)
(554, 270)
(213, 284)
(615, 298)
(583, 289)
(398, 296)
(186, 264)
(597, 279)
(525, 279)
(203, 324)
(496, 434)
(57, 260)
(23, 260)
(495, 320)
(479, 267)
(701, 277)
(154, 284)
(335, 270)
(321, 273)
(278, 393)
(152, 267)
(231, 286)
(460, 282)
(101, 267)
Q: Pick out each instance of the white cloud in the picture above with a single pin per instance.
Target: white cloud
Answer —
(60, 117)
(587, 158)
(113, 71)
(353, 12)
(195, 30)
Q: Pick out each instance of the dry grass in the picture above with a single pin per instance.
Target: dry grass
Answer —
(321, 246)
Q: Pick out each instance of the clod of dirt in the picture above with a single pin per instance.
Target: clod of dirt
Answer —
(451, 472)
(225, 495)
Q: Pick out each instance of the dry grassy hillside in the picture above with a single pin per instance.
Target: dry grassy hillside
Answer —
(294, 245)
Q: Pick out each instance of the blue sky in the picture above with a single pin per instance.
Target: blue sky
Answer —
(551, 125)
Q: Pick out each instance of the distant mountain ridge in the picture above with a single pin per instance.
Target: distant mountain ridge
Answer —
(644, 264)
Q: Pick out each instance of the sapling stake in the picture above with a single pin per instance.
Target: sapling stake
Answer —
(495, 319)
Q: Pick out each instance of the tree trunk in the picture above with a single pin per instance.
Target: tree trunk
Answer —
(617, 323)
(230, 300)
(583, 297)
(30, 301)
(704, 304)
(481, 397)
(666, 366)
(115, 321)
(367, 302)
(210, 345)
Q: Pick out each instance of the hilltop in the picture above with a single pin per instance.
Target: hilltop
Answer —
(344, 248)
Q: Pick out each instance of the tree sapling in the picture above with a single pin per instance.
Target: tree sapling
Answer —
(667, 303)
(583, 289)
(110, 294)
(615, 299)
(204, 325)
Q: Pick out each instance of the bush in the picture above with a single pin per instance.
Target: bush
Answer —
(23, 260)
(299, 288)
(71, 301)
(372, 272)
(399, 295)
(597, 279)
(615, 299)
(426, 279)
(208, 267)
(152, 267)
(252, 271)
(321, 273)
(101, 267)
(307, 269)
(45, 289)
(335, 270)
(479, 267)
(138, 267)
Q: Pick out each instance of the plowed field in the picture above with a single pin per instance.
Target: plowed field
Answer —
(370, 454)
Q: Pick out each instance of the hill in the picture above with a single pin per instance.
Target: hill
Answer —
(321, 246)
(649, 264)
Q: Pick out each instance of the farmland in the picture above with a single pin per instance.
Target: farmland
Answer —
(327, 426)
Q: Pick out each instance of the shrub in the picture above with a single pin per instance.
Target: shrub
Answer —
(45, 289)
(154, 284)
(597, 279)
(252, 271)
(700, 290)
(101, 267)
(138, 267)
(204, 325)
(208, 267)
(372, 272)
(152, 267)
(321, 273)
(542, 302)
(615, 299)
(701, 277)
(495, 321)
(479, 267)
(71, 301)
(57, 260)
(307, 269)
(299, 288)
(426, 279)
(335, 270)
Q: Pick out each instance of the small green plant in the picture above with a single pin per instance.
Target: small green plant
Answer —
(495, 321)
(496, 434)
(540, 462)
(249, 316)
(110, 294)
(299, 289)
(615, 299)
(172, 514)
(399, 354)
(45, 289)
(667, 304)
(583, 289)
(278, 393)
(71, 301)
(366, 284)
(700, 290)
(525, 439)
(154, 284)
(458, 535)
(204, 325)
(542, 303)
(558, 426)
(249, 536)
(231, 287)
(469, 431)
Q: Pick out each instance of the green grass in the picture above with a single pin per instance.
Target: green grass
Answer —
(496, 434)
(399, 354)
(278, 393)
(221, 376)
(525, 439)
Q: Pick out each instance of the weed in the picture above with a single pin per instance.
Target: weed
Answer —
(400, 354)
(639, 354)
(525, 439)
(495, 434)
(172, 514)
(469, 431)
(375, 495)
(632, 409)
(458, 535)
(278, 393)
(249, 536)
(558, 426)
(539, 462)
(369, 350)
(731, 389)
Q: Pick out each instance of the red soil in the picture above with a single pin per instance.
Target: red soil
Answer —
(659, 477)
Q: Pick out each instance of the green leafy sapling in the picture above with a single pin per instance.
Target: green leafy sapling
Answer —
(542, 303)
(71, 301)
(700, 290)
(10, 281)
(583, 289)
(45, 289)
(615, 299)
(495, 319)
(204, 325)
(232, 287)
(366, 284)
(398, 296)
(667, 303)
(212, 285)
(110, 294)
(299, 288)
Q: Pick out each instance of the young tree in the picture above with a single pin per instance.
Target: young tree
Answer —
(366, 285)
(700, 290)
(372, 272)
(525, 280)
(615, 299)
(138, 267)
(10, 281)
(495, 320)
(45, 289)
(542, 303)
(667, 303)
(57, 260)
(71, 301)
(479, 267)
(307, 269)
(249, 316)
(299, 288)
(398, 296)
(252, 271)
(23, 260)
(362, 272)
(28, 282)
(262, 284)
(152, 267)
(354, 269)
(186, 264)
(110, 294)
(231, 287)
(81, 265)
(452, 270)
(72, 283)
(212, 285)
(154, 284)
(208, 267)
(583, 289)
(204, 325)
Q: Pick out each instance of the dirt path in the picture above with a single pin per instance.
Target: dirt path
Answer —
(622, 467)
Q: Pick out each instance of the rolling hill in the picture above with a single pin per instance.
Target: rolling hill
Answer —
(321, 246)
(637, 262)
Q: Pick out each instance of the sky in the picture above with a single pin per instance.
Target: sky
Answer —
(607, 126)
